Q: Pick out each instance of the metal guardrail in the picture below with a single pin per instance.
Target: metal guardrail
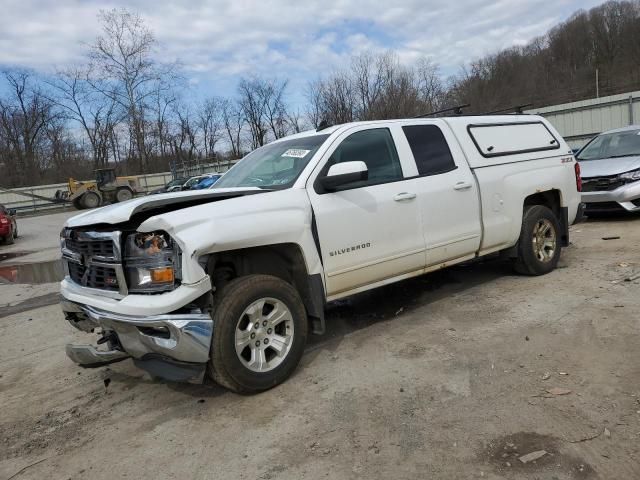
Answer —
(42, 197)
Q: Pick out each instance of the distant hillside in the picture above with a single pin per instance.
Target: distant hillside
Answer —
(561, 65)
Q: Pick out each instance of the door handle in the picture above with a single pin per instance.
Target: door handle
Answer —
(401, 197)
(462, 186)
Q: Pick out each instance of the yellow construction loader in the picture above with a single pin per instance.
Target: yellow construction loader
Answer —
(106, 188)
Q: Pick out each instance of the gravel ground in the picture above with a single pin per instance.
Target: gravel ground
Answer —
(453, 375)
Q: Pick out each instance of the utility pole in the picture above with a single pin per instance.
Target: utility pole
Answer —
(597, 84)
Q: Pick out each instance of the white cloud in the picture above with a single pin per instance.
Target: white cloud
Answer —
(218, 40)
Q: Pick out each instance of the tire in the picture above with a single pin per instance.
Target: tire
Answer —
(90, 200)
(124, 194)
(78, 204)
(230, 366)
(539, 227)
(15, 232)
(10, 239)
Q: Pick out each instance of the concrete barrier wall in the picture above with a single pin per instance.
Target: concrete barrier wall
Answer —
(21, 198)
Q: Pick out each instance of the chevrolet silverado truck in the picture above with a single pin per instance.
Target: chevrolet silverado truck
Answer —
(228, 283)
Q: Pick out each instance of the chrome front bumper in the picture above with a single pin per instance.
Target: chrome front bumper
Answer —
(623, 195)
(176, 339)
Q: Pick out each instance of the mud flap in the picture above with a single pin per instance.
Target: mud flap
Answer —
(564, 226)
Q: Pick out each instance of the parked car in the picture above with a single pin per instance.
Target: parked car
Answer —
(610, 166)
(230, 281)
(8, 225)
(193, 181)
(172, 186)
(207, 182)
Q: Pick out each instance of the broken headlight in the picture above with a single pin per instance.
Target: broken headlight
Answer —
(631, 176)
(152, 262)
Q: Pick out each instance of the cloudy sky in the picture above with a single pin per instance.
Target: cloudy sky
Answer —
(218, 41)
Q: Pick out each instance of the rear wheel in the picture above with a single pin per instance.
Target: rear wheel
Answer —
(124, 194)
(539, 244)
(90, 200)
(260, 330)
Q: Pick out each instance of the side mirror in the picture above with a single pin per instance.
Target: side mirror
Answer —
(12, 212)
(341, 174)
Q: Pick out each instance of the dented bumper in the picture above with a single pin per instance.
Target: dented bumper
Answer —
(173, 346)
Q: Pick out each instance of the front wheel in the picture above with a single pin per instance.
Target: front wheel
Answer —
(260, 330)
(90, 200)
(539, 244)
(124, 194)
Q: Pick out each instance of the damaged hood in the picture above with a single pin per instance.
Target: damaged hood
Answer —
(124, 211)
(608, 166)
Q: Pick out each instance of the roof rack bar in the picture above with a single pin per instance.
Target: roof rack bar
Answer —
(457, 110)
(324, 124)
(518, 109)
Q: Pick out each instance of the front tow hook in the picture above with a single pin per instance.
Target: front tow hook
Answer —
(89, 357)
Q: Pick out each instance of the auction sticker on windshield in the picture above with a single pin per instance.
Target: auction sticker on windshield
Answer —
(296, 153)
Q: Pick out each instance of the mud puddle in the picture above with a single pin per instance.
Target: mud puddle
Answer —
(11, 255)
(32, 273)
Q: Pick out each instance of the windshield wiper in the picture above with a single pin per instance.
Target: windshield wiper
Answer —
(625, 155)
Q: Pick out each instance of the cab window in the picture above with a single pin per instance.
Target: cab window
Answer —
(430, 149)
(376, 149)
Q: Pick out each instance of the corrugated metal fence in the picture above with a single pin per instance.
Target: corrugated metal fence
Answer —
(25, 199)
(578, 122)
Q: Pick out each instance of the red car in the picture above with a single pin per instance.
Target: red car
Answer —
(8, 225)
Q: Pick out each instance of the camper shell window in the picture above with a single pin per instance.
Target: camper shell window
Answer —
(499, 139)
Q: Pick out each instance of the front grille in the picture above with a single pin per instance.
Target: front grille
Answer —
(94, 276)
(93, 248)
(93, 260)
(601, 184)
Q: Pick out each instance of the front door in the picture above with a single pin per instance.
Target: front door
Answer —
(371, 230)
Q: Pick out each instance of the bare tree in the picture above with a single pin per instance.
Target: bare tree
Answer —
(430, 84)
(254, 110)
(275, 111)
(122, 59)
(234, 121)
(97, 114)
(315, 103)
(211, 125)
(24, 116)
(295, 121)
(184, 138)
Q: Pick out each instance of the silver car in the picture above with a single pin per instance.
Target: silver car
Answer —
(610, 166)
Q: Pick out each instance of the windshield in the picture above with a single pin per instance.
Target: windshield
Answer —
(611, 145)
(274, 166)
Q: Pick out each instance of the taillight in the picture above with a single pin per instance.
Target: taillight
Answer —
(4, 220)
(576, 166)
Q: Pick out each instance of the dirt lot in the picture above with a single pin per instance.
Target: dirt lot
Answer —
(445, 376)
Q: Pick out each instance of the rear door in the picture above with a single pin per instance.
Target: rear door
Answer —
(368, 231)
(447, 191)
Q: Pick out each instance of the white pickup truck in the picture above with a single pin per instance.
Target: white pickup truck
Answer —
(228, 282)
